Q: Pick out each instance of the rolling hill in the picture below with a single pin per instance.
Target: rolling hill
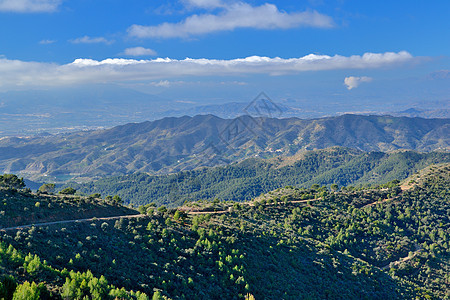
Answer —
(21, 207)
(185, 143)
(376, 243)
(247, 179)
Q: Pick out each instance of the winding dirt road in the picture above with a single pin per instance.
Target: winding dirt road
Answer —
(132, 216)
(70, 221)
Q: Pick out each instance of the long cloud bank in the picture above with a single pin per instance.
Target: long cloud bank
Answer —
(234, 16)
(16, 73)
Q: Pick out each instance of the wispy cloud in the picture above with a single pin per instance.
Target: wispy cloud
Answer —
(15, 73)
(235, 82)
(162, 83)
(232, 16)
(29, 6)
(139, 51)
(47, 42)
(204, 3)
(441, 74)
(353, 82)
(91, 40)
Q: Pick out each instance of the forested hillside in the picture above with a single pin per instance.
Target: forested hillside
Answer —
(22, 207)
(248, 179)
(174, 144)
(384, 242)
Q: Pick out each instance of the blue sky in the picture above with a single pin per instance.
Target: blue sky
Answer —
(290, 49)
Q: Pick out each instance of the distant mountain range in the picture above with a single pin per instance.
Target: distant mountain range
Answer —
(174, 144)
(423, 113)
(39, 112)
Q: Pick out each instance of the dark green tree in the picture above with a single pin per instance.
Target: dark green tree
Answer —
(334, 187)
(11, 181)
(68, 191)
(116, 200)
(47, 188)
(7, 287)
(30, 291)
(157, 296)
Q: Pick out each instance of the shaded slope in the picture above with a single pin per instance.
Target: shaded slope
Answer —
(249, 178)
(23, 208)
(336, 247)
(174, 144)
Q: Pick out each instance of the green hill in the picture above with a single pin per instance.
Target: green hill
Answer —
(21, 207)
(382, 242)
(175, 144)
(248, 179)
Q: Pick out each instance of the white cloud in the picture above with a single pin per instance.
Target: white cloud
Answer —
(139, 51)
(162, 83)
(47, 42)
(29, 6)
(16, 73)
(204, 3)
(232, 16)
(90, 40)
(235, 82)
(353, 82)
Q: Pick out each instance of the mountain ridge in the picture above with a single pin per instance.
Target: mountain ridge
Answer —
(182, 143)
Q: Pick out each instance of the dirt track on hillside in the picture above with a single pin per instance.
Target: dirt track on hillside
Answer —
(70, 221)
(134, 216)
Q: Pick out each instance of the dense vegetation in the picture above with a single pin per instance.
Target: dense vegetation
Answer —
(22, 207)
(248, 179)
(11, 181)
(175, 144)
(293, 243)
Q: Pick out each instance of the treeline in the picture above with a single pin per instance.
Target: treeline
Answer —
(248, 179)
